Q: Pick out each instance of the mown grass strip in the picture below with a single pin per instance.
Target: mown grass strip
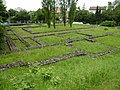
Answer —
(109, 41)
(89, 47)
(33, 43)
(58, 28)
(36, 54)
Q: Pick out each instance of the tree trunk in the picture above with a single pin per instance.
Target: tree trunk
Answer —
(54, 15)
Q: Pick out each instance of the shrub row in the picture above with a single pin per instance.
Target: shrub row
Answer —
(2, 37)
(108, 23)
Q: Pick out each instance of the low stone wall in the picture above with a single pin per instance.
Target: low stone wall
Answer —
(13, 64)
(76, 29)
(38, 41)
(104, 53)
(11, 44)
(21, 38)
(43, 62)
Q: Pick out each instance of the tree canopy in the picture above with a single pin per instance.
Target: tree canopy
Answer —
(3, 12)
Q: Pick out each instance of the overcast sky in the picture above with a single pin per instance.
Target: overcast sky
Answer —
(35, 4)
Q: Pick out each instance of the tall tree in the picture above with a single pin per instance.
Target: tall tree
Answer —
(2, 37)
(40, 15)
(3, 12)
(47, 6)
(12, 13)
(64, 7)
(72, 9)
(116, 2)
(83, 6)
(110, 6)
(84, 16)
(117, 14)
(54, 11)
(22, 16)
(3, 17)
(108, 14)
(98, 15)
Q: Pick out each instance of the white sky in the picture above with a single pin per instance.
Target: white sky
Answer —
(35, 4)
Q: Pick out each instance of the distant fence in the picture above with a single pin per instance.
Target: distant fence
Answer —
(17, 24)
(118, 27)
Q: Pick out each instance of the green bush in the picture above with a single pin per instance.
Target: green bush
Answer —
(108, 23)
(105, 28)
(2, 37)
(1, 20)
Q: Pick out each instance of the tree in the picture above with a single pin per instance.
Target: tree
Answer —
(98, 15)
(108, 14)
(3, 12)
(72, 9)
(84, 16)
(39, 14)
(64, 7)
(54, 16)
(47, 6)
(116, 2)
(3, 17)
(117, 14)
(2, 37)
(22, 16)
(83, 8)
(12, 13)
(110, 6)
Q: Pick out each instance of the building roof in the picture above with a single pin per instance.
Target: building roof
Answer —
(99, 7)
(58, 10)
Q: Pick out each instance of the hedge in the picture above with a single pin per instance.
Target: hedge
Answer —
(108, 23)
(2, 37)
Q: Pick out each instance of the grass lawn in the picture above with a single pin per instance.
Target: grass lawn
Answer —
(76, 73)
(90, 47)
(72, 35)
(33, 43)
(19, 44)
(21, 32)
(99, 30)
(10, 32)
(13, 36)
(36, 54)
(110, 41)
(58, 28)
(51, 39)
(79, 73)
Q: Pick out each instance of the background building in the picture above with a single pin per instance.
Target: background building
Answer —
(94, 8)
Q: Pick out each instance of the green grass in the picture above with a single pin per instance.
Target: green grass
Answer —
(33, 43)
(20, 26)
(110, 41)
(117, 34)
(90, 47)
(19, 44)
(77, 73)
(99, 30)
(59, 28)
(21, 32)
(51, 39)
(72, 35)
(34, 24)
(13, 36)
(10, 32)
(6, 48)
(59, 38)
(36, 54)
